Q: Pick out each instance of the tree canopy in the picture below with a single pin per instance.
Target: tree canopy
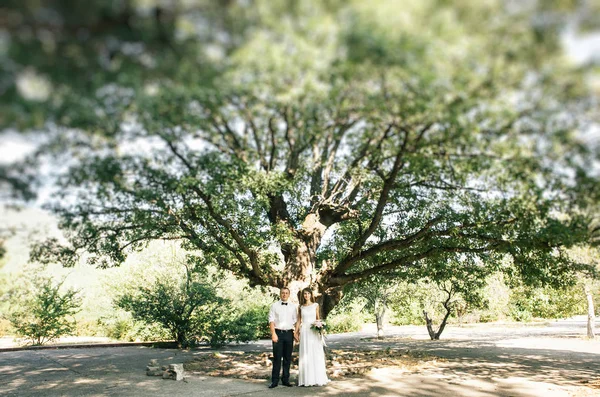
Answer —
(310, 144)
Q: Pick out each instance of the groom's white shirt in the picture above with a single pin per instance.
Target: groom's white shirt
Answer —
(283, 316)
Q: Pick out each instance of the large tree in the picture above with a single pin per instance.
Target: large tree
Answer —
(322, 144)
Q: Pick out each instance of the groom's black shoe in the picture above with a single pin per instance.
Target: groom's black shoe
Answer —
(288, 384)
(272, 385)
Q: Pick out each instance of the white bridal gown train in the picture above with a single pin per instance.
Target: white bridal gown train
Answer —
(311, 367)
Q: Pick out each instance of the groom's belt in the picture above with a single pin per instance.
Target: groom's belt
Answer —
(283, 330)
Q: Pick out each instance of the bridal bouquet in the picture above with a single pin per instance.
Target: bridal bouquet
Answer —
(319, 326)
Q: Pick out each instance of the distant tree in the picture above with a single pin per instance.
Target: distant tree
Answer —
(377, 292)
(461, 283)
(44, 312)
(588, 283)
(591, 315)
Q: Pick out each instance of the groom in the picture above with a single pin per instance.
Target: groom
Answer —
(282, 319)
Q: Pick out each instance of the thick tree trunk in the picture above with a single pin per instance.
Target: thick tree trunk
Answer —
(591, 314)
(329, 299)
(300, 257)
(299, 273)
(298, 269)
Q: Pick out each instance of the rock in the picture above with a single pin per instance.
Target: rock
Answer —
(177, 371)
(153, 363)
(174, 371)
(155, 372)
(337, 373)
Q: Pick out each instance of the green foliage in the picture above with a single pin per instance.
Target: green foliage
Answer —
(117, 328)
(424, 133)
(495, 301)
(173, 292)
(409, 301)
(5, 327)
(252, 324)
(527, 303)
(44, 312)
(180, 305)
(121, 326)
(376, 292)
(497, 295)
(229, 325)
(347, 318)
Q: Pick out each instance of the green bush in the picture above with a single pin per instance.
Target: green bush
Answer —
(252, 324)
(488, 316)
(121, 326)
(497, 295)
(180, 306)
(545, 302)
(5, 327)
(193, 305)
(409, 314)
(236, 325)
(345, 319)
(518, 313)
(44, 313)
(117, 328)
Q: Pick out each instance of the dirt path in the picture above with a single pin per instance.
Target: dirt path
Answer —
(481, 361)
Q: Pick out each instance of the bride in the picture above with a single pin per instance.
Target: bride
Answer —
(311, 367)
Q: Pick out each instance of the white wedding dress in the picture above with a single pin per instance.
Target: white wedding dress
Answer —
(311, 367)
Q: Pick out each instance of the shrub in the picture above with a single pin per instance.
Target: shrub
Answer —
(5, 327)
(45, 313)
(345, 319)
(178, 305)
(409, 314)
(121, 326)
(545, 302)
(193, 305)
(117, 328)
(252, 324)
(235, 325)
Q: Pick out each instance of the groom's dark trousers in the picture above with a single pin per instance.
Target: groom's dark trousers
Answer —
(282, 350)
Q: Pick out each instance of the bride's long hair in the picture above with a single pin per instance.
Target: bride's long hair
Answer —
(312, 297)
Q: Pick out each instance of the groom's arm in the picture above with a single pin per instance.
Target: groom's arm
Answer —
(274, 337)
(297, 325)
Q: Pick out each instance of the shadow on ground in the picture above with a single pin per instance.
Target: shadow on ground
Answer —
(475, 368)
